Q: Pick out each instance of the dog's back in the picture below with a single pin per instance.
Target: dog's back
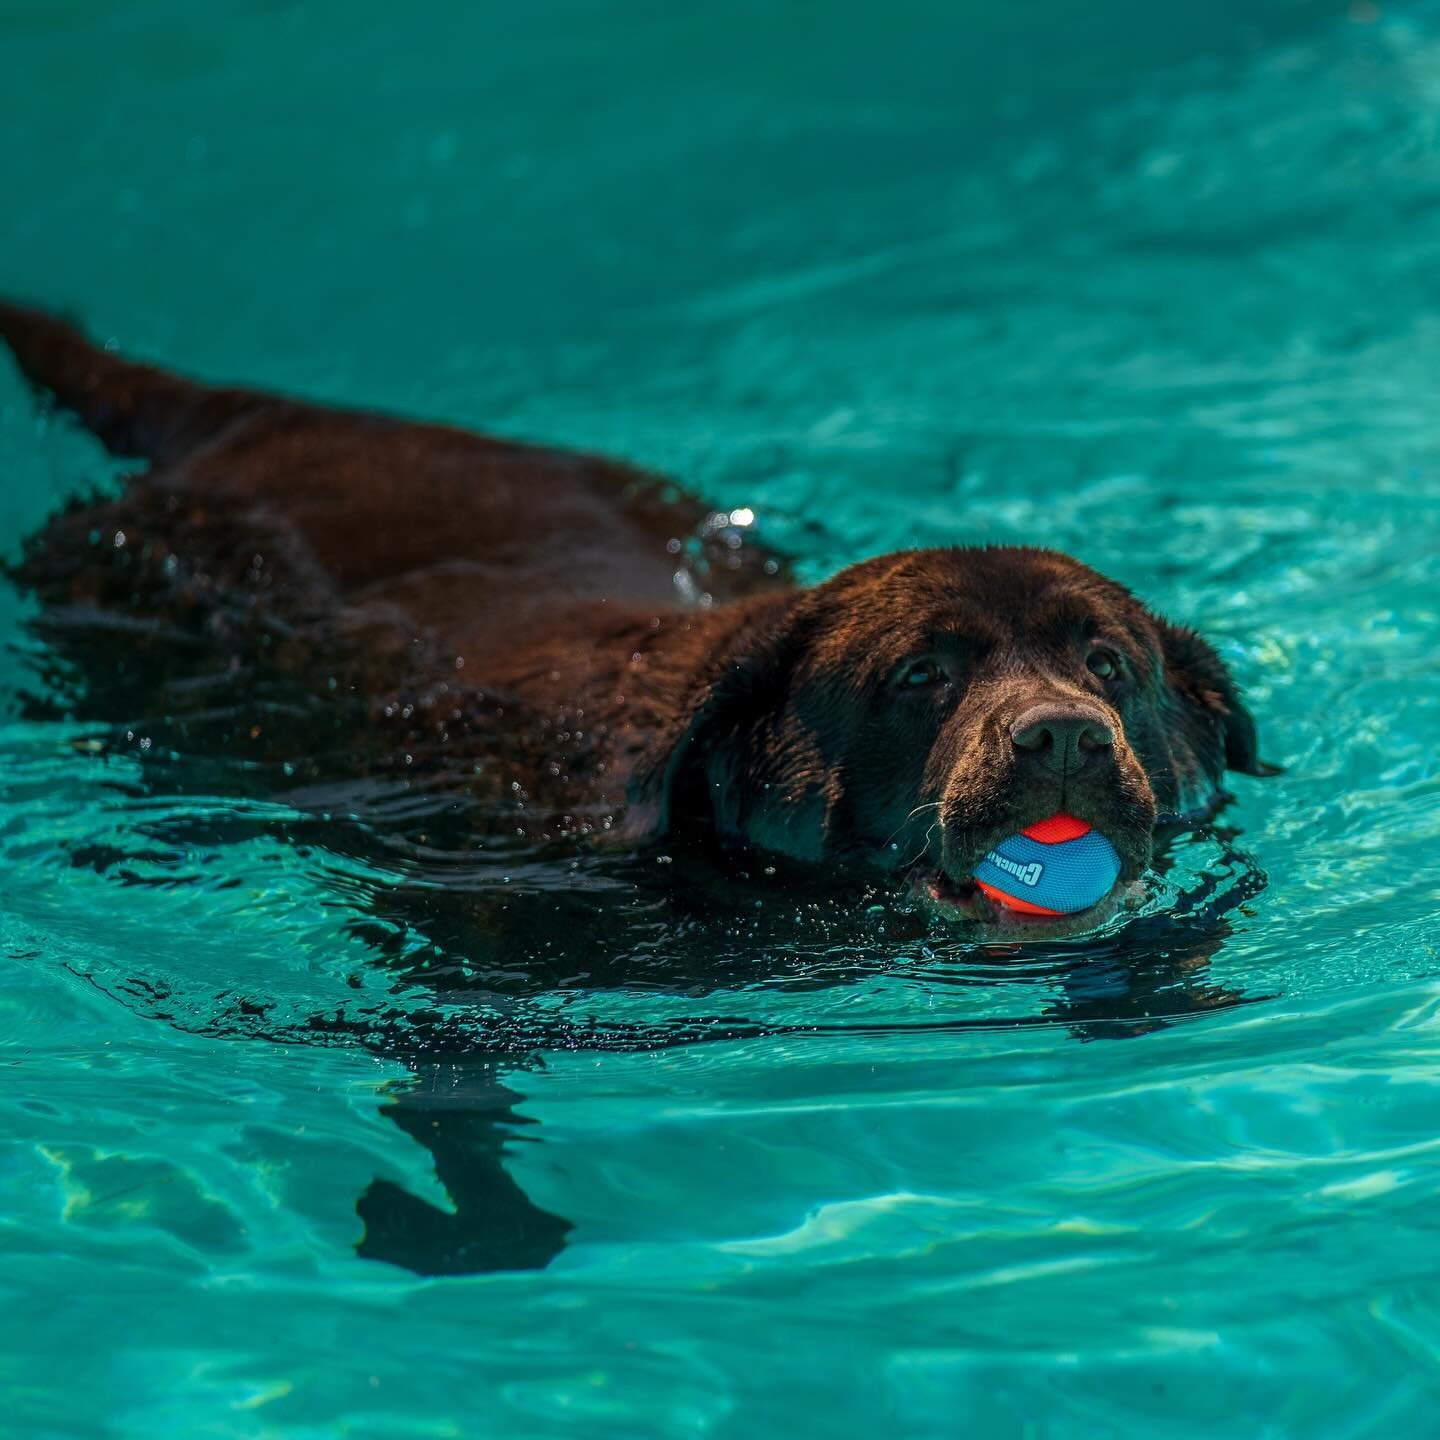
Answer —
(473, 541)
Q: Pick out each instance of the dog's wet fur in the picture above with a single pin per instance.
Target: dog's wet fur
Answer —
(902, 717)
(559, 654)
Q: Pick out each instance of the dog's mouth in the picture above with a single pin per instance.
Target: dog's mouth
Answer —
(1081, 879)
(964, 900)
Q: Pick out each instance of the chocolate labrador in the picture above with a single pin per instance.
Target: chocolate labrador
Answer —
(409, 583)
(549, 654)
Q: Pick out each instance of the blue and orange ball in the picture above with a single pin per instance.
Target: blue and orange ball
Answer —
(1058, 866)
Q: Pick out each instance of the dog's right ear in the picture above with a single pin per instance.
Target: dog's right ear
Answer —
(1200, 678)
(696, 761)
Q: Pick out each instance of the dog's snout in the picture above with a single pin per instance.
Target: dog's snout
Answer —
(1063, 737)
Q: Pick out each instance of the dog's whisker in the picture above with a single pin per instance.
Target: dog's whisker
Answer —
(929, 835)
(931, 805)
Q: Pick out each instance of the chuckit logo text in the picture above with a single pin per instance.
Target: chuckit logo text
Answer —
(1026, 874)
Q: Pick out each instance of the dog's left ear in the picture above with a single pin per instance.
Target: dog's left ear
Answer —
(696, 755)
(1198, 675)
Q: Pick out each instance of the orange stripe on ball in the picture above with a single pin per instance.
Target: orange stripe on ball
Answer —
(1010, 902)
(1057, 829)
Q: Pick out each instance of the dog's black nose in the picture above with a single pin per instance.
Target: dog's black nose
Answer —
(1063, 738)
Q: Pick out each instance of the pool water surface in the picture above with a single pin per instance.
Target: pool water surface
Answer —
(1157, 286)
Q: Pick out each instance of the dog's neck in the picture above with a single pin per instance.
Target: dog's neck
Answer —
(639, 689)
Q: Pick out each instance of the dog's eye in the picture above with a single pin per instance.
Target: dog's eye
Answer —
(922, 673)
(1104, 663)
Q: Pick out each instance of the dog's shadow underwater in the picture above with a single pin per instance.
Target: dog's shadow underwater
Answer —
(476, 952)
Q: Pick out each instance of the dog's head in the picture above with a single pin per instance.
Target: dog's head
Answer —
(918, 708)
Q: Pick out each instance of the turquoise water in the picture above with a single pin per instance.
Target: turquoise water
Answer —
(1154, 284)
